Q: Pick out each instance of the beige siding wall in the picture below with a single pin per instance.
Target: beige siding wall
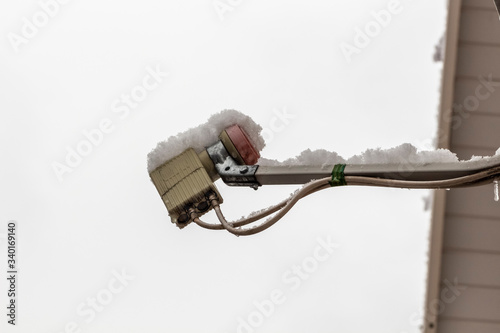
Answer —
(470, 265)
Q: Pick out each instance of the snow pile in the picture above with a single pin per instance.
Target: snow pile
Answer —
(207, 134)
(405, 153)
(307, 157)
(204, 135)
(402, 154)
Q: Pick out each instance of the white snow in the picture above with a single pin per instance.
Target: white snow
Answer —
(402, 154)
(495, 190)
(203, 136)
(307, 157)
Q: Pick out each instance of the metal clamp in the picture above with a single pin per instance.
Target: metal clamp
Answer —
(231, 172)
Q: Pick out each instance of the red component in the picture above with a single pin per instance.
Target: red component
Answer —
(243, 145)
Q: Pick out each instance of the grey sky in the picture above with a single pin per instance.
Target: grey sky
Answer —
(97, 249)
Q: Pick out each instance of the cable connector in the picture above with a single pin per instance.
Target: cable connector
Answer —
(183, 183)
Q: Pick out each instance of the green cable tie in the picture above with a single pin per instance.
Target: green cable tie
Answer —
(338, 178)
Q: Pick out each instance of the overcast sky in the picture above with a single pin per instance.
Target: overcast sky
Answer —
(90, 87)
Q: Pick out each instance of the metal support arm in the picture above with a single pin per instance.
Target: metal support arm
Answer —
(275, 175)
(235, 174)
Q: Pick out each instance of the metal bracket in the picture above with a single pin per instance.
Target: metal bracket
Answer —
(231, 172)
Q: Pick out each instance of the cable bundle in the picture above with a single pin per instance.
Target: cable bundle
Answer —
(337, 179)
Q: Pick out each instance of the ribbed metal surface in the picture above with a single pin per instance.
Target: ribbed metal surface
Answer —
(468, 298)
(182, 181)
